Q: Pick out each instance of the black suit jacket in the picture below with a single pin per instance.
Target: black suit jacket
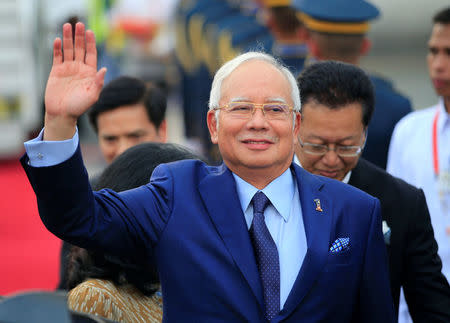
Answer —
(412, 249)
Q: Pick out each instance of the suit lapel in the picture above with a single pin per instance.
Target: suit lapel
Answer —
(318, 230)
(219, 194)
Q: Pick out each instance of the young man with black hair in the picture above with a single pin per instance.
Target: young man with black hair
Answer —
(128, 112)
(419, 151)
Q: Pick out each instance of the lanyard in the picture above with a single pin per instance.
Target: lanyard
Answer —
(435, 145)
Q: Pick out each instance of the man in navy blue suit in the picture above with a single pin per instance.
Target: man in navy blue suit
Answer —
(256, 239)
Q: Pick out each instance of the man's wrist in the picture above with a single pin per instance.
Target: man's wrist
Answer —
(59, 128)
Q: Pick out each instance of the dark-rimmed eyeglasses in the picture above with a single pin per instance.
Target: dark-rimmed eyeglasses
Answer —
(340, 150)
(245, 110)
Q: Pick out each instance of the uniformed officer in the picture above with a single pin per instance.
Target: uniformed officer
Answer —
(337, 30)
(195, 81)
(288, 32)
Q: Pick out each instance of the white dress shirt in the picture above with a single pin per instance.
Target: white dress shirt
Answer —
(344, 180)
(411, 158)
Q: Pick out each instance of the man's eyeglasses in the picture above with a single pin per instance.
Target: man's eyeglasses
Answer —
(320, 150)
(245, 110)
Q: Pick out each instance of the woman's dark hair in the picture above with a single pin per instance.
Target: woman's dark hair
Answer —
(134, 167)
(131, 169)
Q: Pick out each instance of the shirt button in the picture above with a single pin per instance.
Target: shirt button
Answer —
(40, 156)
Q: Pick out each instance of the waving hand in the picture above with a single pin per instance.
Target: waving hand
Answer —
(74, 83)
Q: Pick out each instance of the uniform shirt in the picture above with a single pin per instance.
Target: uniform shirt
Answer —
(411, 158)
(293, 55)
(390, 108)
(283, 218)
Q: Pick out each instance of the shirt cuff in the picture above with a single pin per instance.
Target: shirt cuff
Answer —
(43, 153)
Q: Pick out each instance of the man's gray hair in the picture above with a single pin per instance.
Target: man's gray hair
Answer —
(231, 65)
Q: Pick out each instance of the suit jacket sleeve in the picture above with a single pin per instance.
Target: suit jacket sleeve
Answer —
(375, 300)
(113, 222)
(427, 291)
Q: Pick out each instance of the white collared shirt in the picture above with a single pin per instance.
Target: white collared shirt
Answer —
(344, 180)
(285, 223)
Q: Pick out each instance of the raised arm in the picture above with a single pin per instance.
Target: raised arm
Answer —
(74, 83)
(115, 223)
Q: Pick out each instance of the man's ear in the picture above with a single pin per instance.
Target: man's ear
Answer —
(268, 20)
(212, 125)
(365, 134)
(302, 34)
(365, 46)
(298, 120)
(162, 131)
(313, 47)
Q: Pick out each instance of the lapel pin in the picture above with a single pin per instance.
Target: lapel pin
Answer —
(318, 207)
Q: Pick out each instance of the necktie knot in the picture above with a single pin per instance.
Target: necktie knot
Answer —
(260, 202)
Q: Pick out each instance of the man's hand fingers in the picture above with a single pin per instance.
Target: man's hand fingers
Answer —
(91, 49)
(57, 53)
(67, 42)
(79, 42)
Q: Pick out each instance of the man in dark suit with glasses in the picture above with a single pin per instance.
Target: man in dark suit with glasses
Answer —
(337, 104)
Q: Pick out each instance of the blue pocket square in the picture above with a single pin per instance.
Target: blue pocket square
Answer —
(339, 245)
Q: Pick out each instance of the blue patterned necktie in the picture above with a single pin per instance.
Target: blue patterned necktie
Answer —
(266, 256)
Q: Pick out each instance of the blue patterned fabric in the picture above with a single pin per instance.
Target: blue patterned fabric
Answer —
(340, 244)
(266, 256)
